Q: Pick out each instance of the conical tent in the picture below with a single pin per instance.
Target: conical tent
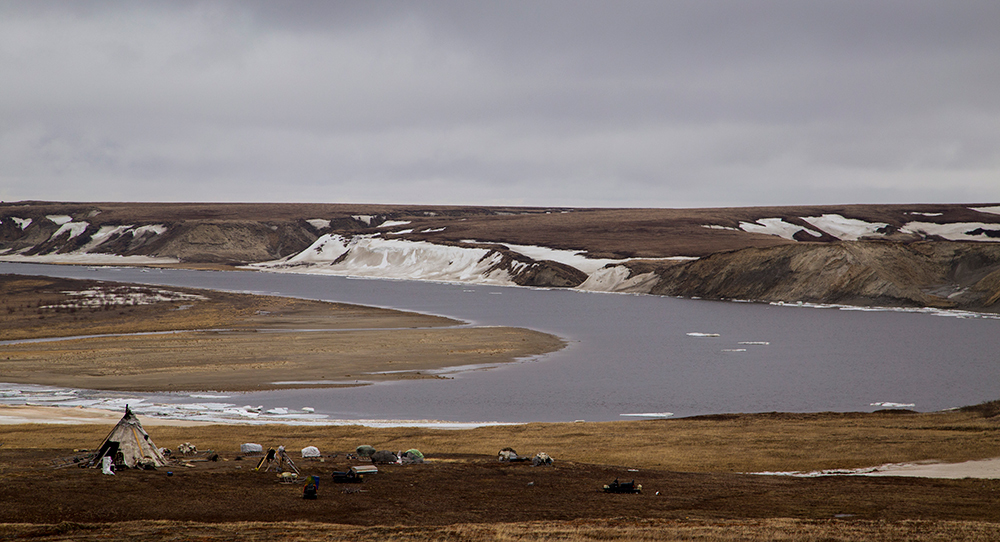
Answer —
(128, 444)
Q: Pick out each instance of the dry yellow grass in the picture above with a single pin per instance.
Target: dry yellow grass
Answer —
(737, 443)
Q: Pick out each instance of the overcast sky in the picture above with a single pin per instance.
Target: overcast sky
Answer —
(561, 103)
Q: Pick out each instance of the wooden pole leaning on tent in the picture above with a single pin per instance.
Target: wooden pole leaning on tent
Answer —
(277, 460)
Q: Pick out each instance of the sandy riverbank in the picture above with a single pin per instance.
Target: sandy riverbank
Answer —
(229, 342)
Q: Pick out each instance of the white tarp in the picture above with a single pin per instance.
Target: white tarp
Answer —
(249, 448)
(310, 451)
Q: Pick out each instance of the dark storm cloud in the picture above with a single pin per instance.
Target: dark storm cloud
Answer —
(569, 103)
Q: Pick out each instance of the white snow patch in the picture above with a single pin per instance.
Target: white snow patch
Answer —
(956, 231)
(326, 249)
(981, 468)
(845, 229)
(393, 223)
(122, 296)
(318, 223)
(400, 232)
(573, 258)
(155, 229)
(23, 222)
(777, 227)
(989, 210)
(74, 229)
(367, 219)
(616, 279)
(369, 256)
(432, 230)
(102, 235)
(924, 214)
(59, 219)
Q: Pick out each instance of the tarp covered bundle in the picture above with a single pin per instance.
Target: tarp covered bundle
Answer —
(129, 445)
(384, 456)
(412, 455)
(310, 451)
(251, 448)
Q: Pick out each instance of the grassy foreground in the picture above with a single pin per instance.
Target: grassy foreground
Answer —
(718, 443)
(463, 493)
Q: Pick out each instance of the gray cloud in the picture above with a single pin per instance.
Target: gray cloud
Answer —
(691, 103)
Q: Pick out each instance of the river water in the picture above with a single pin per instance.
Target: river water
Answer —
(630, 354)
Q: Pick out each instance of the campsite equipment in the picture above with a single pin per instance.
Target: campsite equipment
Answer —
(541, 458)
(311, 488)
(355, 475)
(251, 448)
(128, 445)
(627, 487)
(277, 460)
(508, 455)
(310, 451)
(384, 456)
(412, 455)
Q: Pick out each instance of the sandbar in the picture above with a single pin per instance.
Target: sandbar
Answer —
(138, 338)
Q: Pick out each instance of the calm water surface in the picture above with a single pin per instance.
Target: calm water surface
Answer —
(633, 354)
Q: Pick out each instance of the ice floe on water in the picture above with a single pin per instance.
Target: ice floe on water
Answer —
(755, 343)
(953, 313)
(88, 259)
(890, 404)
(699, 334)
(194, 411)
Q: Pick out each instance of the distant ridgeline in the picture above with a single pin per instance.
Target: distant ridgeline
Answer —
(942, 256)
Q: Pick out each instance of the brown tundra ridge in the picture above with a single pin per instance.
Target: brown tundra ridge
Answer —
(915, 255)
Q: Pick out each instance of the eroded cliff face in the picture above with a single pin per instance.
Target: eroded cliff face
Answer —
(867, 273)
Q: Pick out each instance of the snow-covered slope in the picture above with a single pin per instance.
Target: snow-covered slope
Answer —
(852, 229)
(507, 264)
